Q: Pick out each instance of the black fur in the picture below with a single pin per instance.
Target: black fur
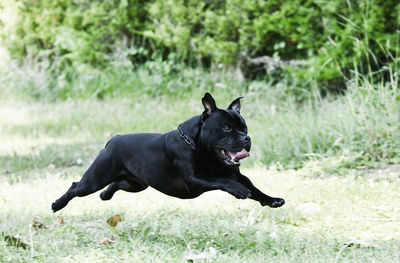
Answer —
(183, 163)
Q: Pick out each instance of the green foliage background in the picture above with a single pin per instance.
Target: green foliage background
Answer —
(335, 39)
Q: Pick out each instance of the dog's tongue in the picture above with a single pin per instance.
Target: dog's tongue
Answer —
(239, 155)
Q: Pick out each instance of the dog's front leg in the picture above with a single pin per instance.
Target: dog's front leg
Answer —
(208, 183)
(256, 194)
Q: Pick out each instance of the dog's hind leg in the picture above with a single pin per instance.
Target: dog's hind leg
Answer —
(63, 200)
(129, 186)
(101, 173)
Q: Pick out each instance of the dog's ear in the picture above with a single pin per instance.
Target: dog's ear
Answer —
(208, 103)
(235, 105)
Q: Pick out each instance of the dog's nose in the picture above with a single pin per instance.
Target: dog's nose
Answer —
(247, 139)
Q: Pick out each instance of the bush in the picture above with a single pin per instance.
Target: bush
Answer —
(337, 39)
(74, 32)
(362, 39)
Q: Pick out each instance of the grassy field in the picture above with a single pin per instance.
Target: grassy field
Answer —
(333, 212)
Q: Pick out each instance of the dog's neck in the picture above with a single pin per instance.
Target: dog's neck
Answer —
(189, 131)
(187, 139)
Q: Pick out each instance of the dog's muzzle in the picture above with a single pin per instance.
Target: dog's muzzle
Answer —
(233, 157)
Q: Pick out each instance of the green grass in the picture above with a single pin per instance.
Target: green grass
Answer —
(320, 217)
(47, 145)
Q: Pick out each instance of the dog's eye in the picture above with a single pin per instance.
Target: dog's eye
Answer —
(227, 128)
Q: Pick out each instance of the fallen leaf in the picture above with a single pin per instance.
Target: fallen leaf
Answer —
(107, 241)
(15, 242)
(113, 221)
(38, 225)
(61, 220)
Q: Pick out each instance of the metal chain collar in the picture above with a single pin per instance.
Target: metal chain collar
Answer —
(188, 142)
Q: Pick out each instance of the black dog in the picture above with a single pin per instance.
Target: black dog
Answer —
(203, 154)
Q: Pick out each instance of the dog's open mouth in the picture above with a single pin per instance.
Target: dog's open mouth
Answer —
(231, 158)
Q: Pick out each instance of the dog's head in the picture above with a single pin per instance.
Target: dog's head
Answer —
(224, 132)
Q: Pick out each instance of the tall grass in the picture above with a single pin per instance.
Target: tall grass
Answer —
(360, 128)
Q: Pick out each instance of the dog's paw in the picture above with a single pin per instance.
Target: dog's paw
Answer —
(106, 195)
(54, 207)
(277, 202)
(273, 202)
